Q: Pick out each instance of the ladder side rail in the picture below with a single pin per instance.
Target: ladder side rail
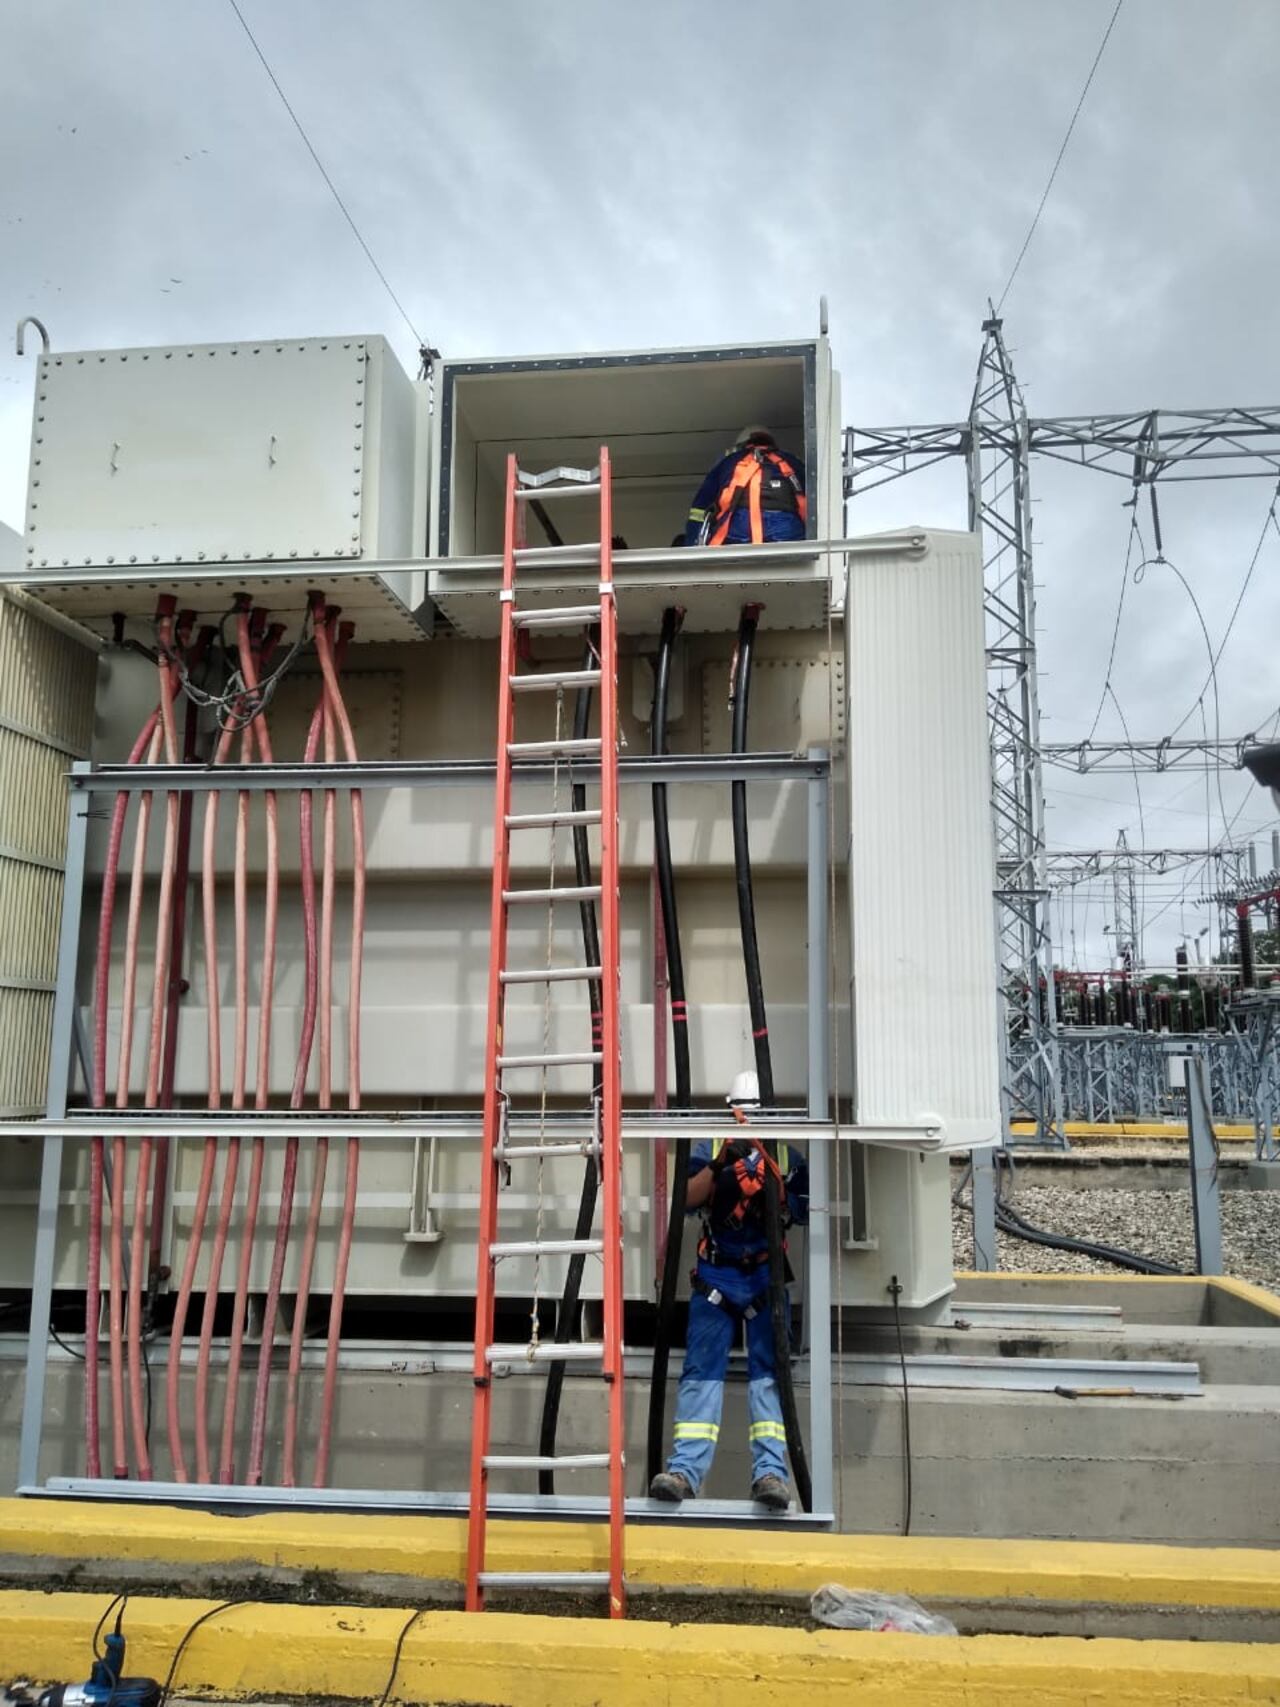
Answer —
(611, 1122)
(485, 1278)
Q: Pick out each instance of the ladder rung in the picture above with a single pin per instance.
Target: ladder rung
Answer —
(562, 892)
(546, 1248)
(532, 1461)
(569, 746)
(546, 820)
(556, 616)
(538, 1152)
(575, 1058)
(547, 1351)
(531, 483)
(550, 975)
(585, 491)
(554, 679)
(544, 1579)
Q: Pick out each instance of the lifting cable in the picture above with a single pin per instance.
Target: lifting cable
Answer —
(779, 1304)
(671, 620)
(591, 1177)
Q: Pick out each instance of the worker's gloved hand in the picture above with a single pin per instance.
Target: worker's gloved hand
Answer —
(727, 1156)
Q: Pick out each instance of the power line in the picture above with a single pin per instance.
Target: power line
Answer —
(346, 213)
(1115, 631)
(1269, 521)
(1066, 139)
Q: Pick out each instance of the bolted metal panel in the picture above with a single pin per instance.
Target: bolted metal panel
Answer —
(262, 455)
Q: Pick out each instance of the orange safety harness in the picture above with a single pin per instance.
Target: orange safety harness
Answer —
(736, 1199)
(747, 483)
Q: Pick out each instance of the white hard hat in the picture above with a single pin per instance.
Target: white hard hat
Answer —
(756, 432)
(744, 1091)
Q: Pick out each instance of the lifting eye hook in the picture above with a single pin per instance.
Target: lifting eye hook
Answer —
(19, 339)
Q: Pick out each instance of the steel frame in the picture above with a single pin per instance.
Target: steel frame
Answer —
(818, 1126)
(1000, 512)
(996, 442)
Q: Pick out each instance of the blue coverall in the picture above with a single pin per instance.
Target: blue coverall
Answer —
(712, 1330)
(777, 524)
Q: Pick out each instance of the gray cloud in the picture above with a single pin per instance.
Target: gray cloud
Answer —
(577, 176)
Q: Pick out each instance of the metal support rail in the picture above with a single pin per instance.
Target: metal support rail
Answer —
(814, 1126)
(641, 770)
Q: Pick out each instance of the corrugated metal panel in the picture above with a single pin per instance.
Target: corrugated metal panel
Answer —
(921, 861)
(47, 681)
(25, 1019)
(29, 899)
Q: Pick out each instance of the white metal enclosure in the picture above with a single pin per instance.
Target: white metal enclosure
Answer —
(208, 469)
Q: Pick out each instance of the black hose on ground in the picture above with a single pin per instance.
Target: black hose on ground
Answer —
(671, 620)
(779, 1303)
(1008, 1220)
(591, 1177)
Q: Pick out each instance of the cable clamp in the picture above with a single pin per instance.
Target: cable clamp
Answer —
(507, 596)
(606, 587)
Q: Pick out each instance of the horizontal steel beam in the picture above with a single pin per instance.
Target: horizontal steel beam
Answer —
(458, 1127)
(1025, 1374)
(1161, 755)
(642, 769)
(447, 1501)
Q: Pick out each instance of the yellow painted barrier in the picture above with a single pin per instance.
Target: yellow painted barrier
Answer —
(1259, 1296)
(1118, 1129)
(515, 1661)
(660, 1556)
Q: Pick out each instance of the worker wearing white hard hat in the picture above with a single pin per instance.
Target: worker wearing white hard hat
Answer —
(754, 494)
(730, 1292)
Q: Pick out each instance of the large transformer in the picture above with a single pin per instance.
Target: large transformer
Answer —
(270, 479)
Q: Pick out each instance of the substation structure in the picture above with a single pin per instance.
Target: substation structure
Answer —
(267, 580)
(1049, 1073)
(247, 878)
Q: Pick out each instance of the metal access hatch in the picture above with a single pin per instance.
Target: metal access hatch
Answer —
(210, 468)
(666, 416)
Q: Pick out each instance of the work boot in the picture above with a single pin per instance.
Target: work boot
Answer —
(771, 1491)
(671, 1486)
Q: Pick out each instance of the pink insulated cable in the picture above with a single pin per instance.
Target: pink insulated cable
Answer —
(342, 1259)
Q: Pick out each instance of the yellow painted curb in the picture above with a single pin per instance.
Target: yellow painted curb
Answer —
(659, 1556)
(1137, 1129)
(515, 1661)
(1259, 1296)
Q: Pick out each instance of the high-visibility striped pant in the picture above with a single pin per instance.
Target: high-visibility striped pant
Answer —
(701, 1393)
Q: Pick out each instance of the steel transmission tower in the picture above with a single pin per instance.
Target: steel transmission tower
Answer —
(1126, 922)
(1000, 509)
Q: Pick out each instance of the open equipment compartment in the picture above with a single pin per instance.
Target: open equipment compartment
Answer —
(666, 415)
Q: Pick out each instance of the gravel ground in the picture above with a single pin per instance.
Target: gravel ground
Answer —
(1153, 1223)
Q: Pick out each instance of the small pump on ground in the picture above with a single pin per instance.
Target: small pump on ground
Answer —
(106, 1687)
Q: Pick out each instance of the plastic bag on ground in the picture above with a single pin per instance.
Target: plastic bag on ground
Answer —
(863, 1609)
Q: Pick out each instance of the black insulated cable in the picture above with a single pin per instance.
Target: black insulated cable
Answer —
(1008, 1220)
(671, 620)
(779, 1303)
(554, 1390)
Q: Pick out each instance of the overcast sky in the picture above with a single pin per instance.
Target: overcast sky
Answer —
(577, 176)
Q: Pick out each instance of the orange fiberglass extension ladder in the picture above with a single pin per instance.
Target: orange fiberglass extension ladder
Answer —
(548, 764)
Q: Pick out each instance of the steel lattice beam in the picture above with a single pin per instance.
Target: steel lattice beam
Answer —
(1000, 510)
(996, 443)
(1150, 444)
(1130, 756)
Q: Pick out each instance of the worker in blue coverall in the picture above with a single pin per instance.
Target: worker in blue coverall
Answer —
(730, 1289)
(754, 494)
